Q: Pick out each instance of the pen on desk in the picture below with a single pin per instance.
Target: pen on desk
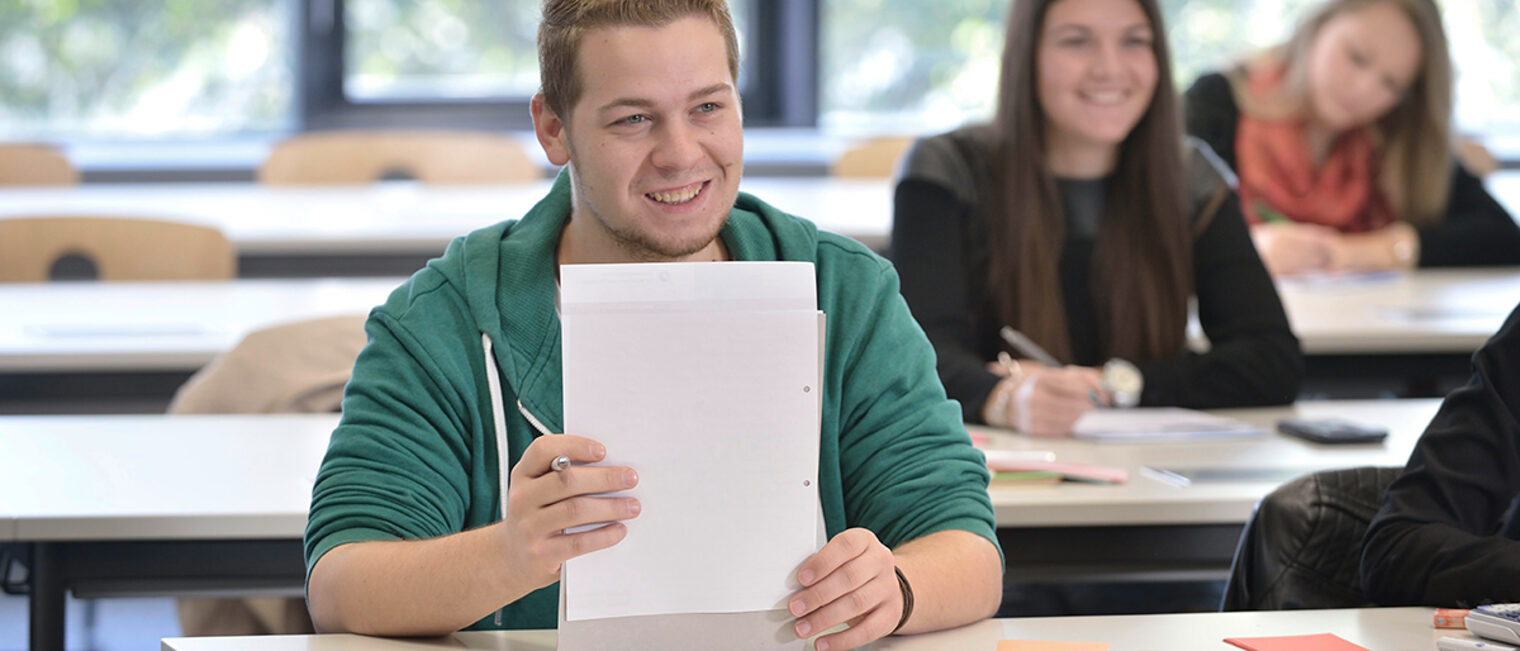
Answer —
(1166, 476)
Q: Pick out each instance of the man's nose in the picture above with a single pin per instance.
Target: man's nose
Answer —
(678, 147)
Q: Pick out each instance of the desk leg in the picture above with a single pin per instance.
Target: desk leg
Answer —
(46, 598)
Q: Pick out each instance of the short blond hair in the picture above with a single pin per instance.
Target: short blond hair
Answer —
(565, 22)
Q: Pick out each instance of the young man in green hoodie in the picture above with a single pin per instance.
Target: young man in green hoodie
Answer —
(421, 525)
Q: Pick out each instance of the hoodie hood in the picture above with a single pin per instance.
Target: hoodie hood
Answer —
(508, 278)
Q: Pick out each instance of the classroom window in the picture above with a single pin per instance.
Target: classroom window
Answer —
(188, 69)
(891, 66)
(118, 69)
(444, 49)
(403, 49)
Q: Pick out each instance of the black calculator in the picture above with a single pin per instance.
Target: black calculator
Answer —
(1499, 622)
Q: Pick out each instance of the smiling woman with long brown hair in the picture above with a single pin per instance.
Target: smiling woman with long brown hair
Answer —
(1082, 218)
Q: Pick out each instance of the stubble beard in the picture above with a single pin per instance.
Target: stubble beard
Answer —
(639, 245)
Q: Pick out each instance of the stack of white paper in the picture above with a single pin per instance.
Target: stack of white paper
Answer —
(1158, 424)
(704, 378)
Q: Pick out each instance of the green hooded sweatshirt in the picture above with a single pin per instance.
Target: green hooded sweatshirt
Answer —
(415, 454)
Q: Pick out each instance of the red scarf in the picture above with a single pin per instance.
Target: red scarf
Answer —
(1278, 179)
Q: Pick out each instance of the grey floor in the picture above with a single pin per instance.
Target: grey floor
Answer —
(118, 624)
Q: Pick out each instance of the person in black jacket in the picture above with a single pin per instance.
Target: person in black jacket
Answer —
(1448, 533)
(1341, 138)
(1081, 218)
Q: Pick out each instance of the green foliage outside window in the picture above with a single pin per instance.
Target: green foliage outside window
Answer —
(113, 68)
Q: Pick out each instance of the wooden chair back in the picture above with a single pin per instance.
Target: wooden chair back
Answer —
(876, 158)
(357, 157)
(118, 248)
(35, 164)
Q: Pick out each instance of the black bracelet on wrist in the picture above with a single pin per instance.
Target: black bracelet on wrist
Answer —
(907, 597)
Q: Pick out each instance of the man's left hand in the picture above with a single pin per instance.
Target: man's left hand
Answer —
(852, 579)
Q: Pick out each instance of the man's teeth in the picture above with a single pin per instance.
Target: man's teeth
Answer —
(682, 196)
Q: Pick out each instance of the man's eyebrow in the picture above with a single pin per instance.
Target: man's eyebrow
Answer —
(626, 101)
(636, 102)
(715, 88)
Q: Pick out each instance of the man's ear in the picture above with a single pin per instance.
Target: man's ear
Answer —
(550, 130)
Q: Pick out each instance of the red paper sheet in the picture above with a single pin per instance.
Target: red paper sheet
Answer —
(1321, 642)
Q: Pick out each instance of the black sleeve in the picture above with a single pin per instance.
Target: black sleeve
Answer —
(1436, 541)
(1210, 115)
(930, 228)
(1477, 231)
(1253, 357)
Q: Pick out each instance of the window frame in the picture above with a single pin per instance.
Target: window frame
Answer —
(780, 90)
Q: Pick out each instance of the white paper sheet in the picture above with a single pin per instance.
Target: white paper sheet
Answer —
(1158, 424)
(704, 379)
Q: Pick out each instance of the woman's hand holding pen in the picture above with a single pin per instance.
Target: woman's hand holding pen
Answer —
(1042, 400)
(550, 491)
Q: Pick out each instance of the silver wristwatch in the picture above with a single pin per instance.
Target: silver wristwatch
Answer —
(1123, 381)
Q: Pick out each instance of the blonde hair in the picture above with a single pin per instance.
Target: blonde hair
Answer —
(1414, 136)
(566, 21)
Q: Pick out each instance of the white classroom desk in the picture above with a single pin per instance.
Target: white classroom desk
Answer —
(416, 221)
(1382, 629)
(95, 477)
(156, 504)
(1263, 462)
(406, 217)
(1422, 311)
(412, 217)
(166, 326)
(219, 502)
(74, 508)
(87, 327)
(136, 477)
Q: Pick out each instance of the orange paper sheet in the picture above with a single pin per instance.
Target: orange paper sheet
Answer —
(1321, 642)
(1035, 645)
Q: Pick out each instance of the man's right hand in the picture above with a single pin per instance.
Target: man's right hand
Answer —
(543, 502)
